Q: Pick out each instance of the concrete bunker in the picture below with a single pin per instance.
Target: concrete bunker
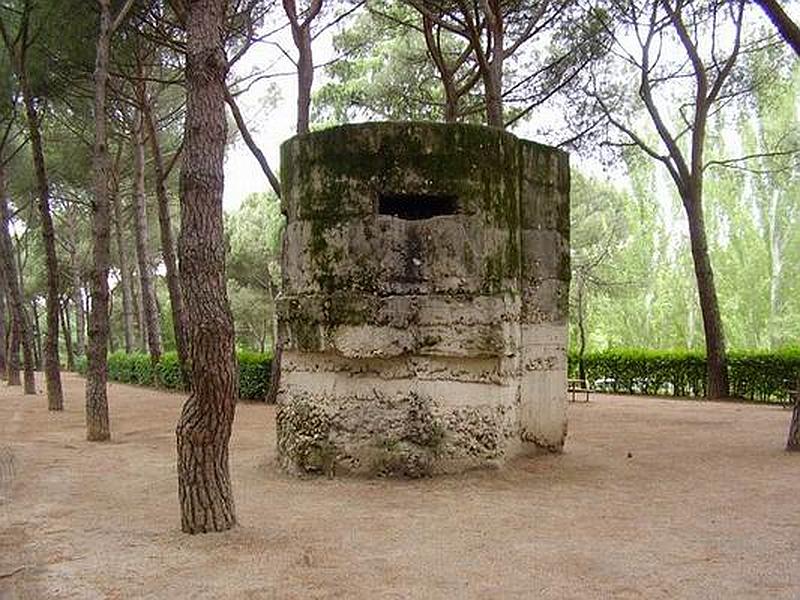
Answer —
(424, 299)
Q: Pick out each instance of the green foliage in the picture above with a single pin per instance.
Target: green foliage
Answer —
(254, 370)
(253, 237)
(131, 368)
(136, 368)
(384, 71)
(759, 376)
(168, 371)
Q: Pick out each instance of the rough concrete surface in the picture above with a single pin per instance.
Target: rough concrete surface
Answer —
(651, 499)
(425, 278)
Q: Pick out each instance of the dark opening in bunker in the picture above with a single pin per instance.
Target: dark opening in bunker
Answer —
(414, 207)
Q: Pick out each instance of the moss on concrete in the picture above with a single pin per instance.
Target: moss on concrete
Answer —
(358, 276)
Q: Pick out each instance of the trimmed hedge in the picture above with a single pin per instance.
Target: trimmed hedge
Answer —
(136, 368)
(757, 376)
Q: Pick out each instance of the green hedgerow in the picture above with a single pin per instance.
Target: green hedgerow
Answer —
(138, 369)
(759, 375)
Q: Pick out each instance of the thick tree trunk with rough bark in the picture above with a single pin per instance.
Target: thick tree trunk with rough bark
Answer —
(204, 428)
(168, 243)
(97, 421)
(717, 362)
(20, 334)
(151, 316)
(492, 68)
(52, 367)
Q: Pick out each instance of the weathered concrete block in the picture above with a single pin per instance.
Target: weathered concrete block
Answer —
(425, 270)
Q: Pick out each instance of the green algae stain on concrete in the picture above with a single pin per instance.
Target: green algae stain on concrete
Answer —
(420, 245)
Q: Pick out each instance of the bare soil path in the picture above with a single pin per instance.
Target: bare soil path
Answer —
(651, 499)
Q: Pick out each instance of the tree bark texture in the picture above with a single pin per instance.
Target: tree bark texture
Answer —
(125, 277)
(20, 334)
(168, 253)
(138, 304)
(12, 357)
(12, 344)
(301, 33)
(793, 440)
(787, 28)
(493, 69)
(66, 330)
(446, 74)
(151, 316)
(37, 337)
(581, 329)
(77, 303)
(204, 428)
(305, 79)
(97, 419)
(11, 336)
(52, 367)
(3, 329)
(716, 358)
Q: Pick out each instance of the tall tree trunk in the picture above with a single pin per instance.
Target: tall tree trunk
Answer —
(10, 337)
(3, 329)
(493, 66)
(274, 385)
(305, 78)
(151, 316)
(37, 336)
(97, 421)
(20, 327)
(168, 243)
(494, 98)
(301, 33)
(204, 428)
(12, 355)
(446, 73)
(112, 342)
(581, 331)
(138, 303)
(77, 303)
(717, 363)
(52, 367)
(67, 331)
(124, 275)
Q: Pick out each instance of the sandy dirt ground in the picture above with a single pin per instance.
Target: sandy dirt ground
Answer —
(651, 499)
